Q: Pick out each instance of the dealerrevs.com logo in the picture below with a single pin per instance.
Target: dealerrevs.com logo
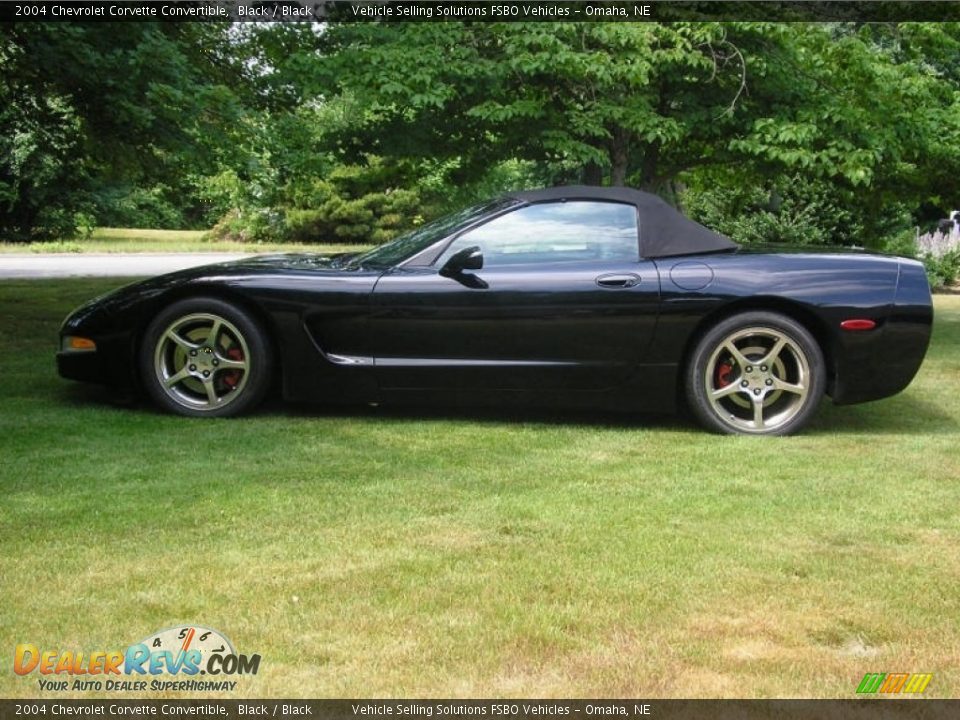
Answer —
(169, 660)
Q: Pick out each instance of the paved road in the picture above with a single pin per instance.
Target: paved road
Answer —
(104, 265)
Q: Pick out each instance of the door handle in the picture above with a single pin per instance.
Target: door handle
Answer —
(614, 280)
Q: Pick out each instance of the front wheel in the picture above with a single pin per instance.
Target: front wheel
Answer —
(756, 373)
(203, 357)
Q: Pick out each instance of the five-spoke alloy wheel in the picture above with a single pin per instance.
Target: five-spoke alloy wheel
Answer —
(205, 357)
(757, 373)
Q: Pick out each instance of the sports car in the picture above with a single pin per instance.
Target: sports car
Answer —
(576, 296)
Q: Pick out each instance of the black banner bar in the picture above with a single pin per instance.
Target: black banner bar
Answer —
(473, 10)
(512, 709)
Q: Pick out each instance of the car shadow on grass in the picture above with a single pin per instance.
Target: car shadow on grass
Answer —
(84, 395)
(902, 415)
(81, 395)
(491, 415)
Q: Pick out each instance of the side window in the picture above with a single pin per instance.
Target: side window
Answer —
(555, 232)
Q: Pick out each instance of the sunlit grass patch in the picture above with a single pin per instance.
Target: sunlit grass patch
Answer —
(448, 553)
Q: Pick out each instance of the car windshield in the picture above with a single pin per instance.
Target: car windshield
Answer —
(411, 243)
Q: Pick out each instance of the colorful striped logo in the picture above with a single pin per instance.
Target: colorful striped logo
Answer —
(893, 683)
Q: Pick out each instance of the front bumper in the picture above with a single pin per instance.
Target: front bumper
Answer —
(113, 363)
(83, 366)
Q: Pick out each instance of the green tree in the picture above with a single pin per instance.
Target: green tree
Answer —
(94, 108)
(585, 99)
(647, 104)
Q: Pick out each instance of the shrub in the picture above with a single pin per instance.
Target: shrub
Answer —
(795, 210)
(306, 225)
(139, 208)
(940, 253)
(337, 208)
(259, 225)
(54, 222)
(903, 243)
(944, 270)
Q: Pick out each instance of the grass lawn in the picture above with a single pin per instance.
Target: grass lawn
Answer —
(132, 240)
(380, 553)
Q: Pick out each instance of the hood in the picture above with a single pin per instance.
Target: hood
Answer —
(286, 261)
(119, 300)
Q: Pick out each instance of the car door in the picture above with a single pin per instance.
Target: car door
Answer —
(563, 301)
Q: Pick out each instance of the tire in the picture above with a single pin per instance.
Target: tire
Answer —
(185, 373)
(756, 373)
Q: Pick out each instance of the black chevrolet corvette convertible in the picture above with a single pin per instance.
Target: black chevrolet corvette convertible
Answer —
(578, 296)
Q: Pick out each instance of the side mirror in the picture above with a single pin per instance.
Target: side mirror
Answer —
(470, 258)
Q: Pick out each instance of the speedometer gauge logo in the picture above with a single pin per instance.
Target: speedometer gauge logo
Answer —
(204, 640)
(190, 650)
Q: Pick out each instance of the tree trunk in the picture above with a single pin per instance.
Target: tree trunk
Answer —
(24, 217)
(619, 147)
(592, 174)
(649, 180)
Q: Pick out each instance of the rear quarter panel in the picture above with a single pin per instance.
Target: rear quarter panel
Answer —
(819, 290)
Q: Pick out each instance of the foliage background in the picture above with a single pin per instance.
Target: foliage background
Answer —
(829, 133)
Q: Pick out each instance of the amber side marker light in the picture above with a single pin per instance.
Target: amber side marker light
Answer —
(858, 324)
(72, 342)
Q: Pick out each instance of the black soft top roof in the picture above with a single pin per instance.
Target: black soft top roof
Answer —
(664, 231)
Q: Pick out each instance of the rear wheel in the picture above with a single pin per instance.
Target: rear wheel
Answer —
(757, 373)
(204, 357)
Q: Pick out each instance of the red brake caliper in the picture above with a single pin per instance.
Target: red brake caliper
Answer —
(232, 378)
(723, 374)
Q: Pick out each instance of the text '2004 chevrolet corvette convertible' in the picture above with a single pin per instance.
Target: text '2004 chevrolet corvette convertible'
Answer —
(583, 296)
